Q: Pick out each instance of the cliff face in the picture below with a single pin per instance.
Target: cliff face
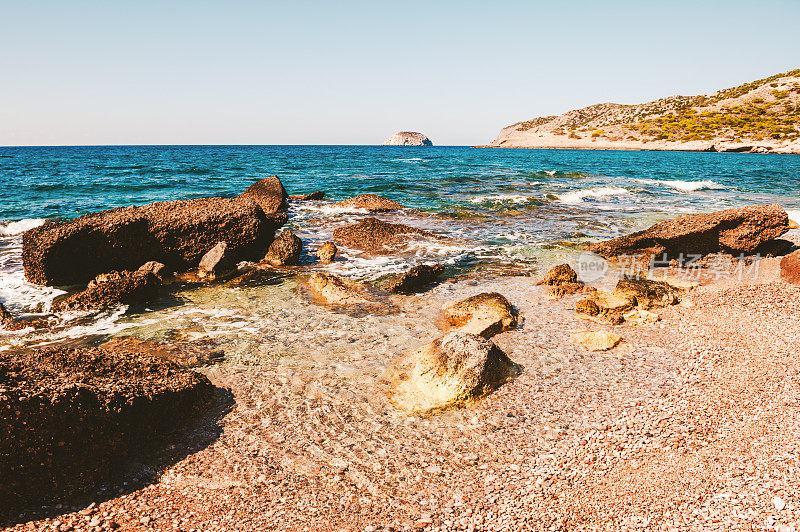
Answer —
(408, 138)
(762, 116)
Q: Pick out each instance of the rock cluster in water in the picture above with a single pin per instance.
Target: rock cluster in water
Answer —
(408, 138)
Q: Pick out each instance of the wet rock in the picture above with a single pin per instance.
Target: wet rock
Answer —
(327, 252)
(268, 193)
(216, 261)
(375, 236)
(5, 315)
(484, 314)
(790, 268)
(184, 354)
(408, 138)
(176, 233)
(334, 290)
(71, 419)
(370, 202)
(448, 372)
(258, 276)
(561, 274)
(284, 250)
(598, 340)
(158, 269)
(417, 279)
(111, 289)
(318, 195)
(734, 231)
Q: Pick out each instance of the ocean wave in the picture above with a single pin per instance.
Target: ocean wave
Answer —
(577, 196)
(684, 186)
(502, 198)
(15, 228)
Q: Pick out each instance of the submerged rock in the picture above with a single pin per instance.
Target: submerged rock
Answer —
(408, 138)
(111, 289)
(734, 231)
(484, 314)
(317, 195)
(175, 233)
(370, 202)
(598, 340)
(183, 354)
(375, 236)
(448, 372)
(284, 250)
(417, 279)
(790, 268)
(268, 193)
(334, 290)
(327, 252)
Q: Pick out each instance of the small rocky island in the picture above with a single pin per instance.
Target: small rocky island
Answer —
(408, 138)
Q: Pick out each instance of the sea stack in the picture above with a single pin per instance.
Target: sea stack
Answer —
(408, 138)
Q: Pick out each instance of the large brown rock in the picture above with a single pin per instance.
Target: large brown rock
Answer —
(449, 372)
(215, 261)
(733, 231)
(175, 233)
(267, 193)
(316, 195)
(111, 289)
(370, 202)
(72, 419)
(285, 249)
(790, 268)
(375, 236)
(484, 314)
(327, 253)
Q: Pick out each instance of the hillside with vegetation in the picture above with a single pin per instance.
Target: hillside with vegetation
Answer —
(760, 116)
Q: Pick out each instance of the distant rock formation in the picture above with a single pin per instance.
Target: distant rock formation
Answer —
(408, 138)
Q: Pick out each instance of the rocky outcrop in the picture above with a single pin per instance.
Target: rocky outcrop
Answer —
(183, 354)
(790, 268)
(484, 314)
(631, 301)
(375, 236)
(317, 195)
(327, 253)
(370, 202)
(732, 231)
(449, 372)
(337, 291)
(268, 193)
(175, 233)
(598, 340)
(408, 138)
(215, 261)
(417, 279)
(5, 316)
(284, 250)
(111, 289)
(71, 419)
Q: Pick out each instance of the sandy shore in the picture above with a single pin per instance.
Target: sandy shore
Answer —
(690, 424)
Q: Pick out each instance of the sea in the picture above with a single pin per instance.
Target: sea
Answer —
(494, 213)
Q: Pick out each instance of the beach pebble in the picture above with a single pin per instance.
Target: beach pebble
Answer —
(778, 503)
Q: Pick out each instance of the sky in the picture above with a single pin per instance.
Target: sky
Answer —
(346, 72)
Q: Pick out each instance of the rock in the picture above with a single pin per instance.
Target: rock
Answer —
(255, 277)
(334, 290)
(561, 274)
(318, 195)
(448, 372)
(5, 316)
(268, 193)
(215, 261)
(374, 235)
(630, 301)
(647, 293)
(566, 289)
(790, 268)
(609, 304)
(158, 269)
(734, 231)
(370, 202)
(112, 289)
(417, 279)
(285, 249)
(598, 340)
(184, 354)
(176, 233)
(73, 419)
(408, 138)
(484, 314)
(327, 253)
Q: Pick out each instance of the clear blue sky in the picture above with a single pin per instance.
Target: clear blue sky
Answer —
(345, 72)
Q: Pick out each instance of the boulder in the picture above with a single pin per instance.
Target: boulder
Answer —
(448, 372)
(74, 419)
(598, 340)
(268, 193)
(176, 234)
(408, 138)
(631, 301)
(334, 290)
(215, 261)
(111, 289)
(566, 289)
(484, 314)
(561, 274)
(285, 249)
(327, 252)
(647, 293)
(733, 231)
(375, 236)
(5, 316)
(158, 269)
(417, 279)
(790, 268)
(255, 277)
(318, 195)
(370, 202)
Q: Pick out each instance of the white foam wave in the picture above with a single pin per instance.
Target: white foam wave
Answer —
(683, 186)
(16, 228)
(577, 196)
(550, 172)
(501, 198)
